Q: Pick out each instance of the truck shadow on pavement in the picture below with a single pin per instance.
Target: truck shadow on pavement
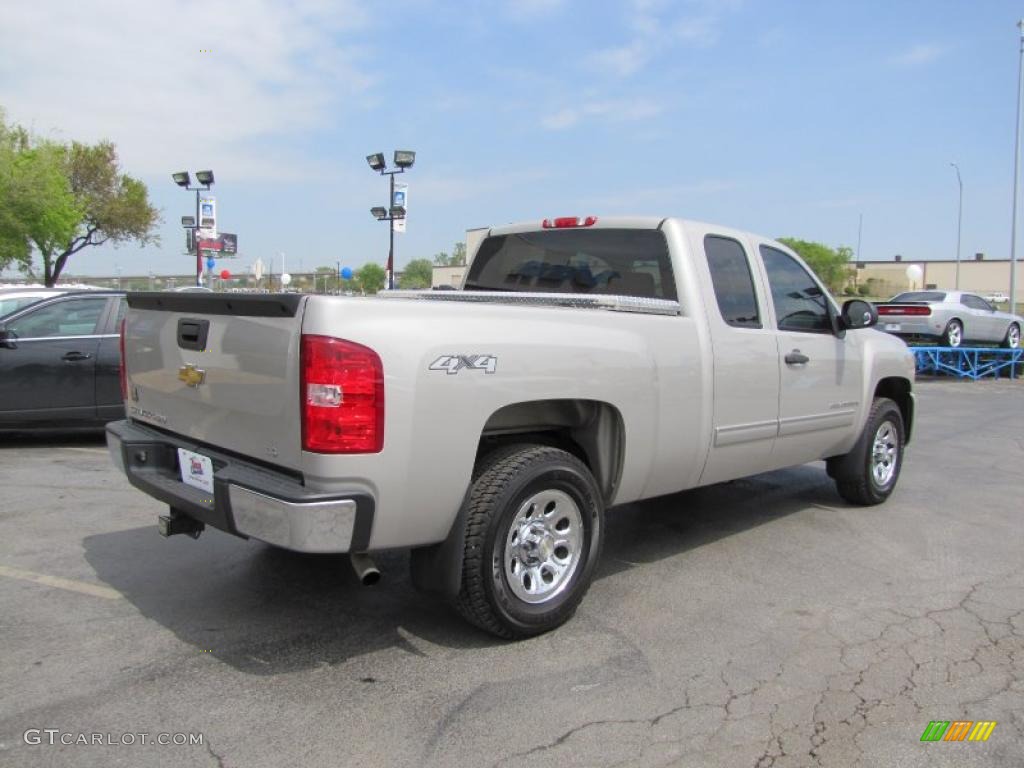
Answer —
(266, 611)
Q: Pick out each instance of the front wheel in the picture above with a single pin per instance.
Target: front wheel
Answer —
(1012, 338)
(534, 529)
(867, 474)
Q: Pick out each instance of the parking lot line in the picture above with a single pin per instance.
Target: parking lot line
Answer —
(72, 585)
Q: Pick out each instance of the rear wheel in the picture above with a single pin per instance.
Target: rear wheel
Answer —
(953, 336)
(868, 473)
(1012, 339)
(535, 522)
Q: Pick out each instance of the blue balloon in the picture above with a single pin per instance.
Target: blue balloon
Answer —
(211, 263)
(346, 273)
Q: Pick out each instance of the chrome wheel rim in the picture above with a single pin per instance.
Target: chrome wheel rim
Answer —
(884, 454)
(544, 546)
(1013, 336)
(954, 335)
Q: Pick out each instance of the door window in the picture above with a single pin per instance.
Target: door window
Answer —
(800, 303)
(75, 317)
(734, 286)
(976, 302)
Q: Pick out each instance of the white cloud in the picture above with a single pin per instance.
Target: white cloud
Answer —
(524, 10)
(653, 30)
(919, 54)
(140, 75)
(443, 188)
(612, 110)
(648, 197)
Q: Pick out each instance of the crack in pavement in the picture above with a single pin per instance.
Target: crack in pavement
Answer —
(843, 680)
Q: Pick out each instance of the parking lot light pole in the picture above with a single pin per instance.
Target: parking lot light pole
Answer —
(959, 222)
(1016, 175)
(183, 180)
(403, 159)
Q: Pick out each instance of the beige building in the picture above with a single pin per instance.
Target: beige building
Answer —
(452, 276)
(978, 274)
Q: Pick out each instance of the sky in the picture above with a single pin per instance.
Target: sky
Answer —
(786, 118)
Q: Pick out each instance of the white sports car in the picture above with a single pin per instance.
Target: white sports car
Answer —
(954, 318)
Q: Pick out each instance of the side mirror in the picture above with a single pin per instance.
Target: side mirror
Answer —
(7, 339)
(858, 313)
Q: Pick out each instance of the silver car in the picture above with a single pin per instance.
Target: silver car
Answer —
(953, 318)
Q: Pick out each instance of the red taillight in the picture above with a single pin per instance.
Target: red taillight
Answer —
(565, 222)
(904, 311)
(342, 397)
(123, 373)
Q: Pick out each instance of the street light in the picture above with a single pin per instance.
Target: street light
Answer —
(1016, 174)
(205, 180)
(403, 160)
(959, 221)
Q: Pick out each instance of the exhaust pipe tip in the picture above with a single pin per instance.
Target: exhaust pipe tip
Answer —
(366, 570)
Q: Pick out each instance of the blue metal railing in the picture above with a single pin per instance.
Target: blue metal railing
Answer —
(968, 362)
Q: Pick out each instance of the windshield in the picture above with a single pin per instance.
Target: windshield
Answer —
(935, 296)
(621, 262)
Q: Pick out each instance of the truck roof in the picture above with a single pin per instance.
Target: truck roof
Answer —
(615, 222)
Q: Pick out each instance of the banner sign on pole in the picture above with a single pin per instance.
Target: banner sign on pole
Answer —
(207, 217)
(211, 244)
(402, 199)
(229, 242)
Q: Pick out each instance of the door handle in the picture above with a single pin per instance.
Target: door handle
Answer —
(75, 357)
(796, 357)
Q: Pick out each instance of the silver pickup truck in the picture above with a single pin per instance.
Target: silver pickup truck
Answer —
(585, 363)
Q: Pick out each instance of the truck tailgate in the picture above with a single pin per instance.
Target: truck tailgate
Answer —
(222, 369)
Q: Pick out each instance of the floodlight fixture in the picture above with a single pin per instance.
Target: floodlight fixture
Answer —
(188, 221)
(397, 211)
(379, 211)
(204, 177)
(181, 178)
(404, 158)
(376, 161)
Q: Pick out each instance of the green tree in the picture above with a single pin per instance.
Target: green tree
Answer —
(57, 199)
(370, 278)
(457, 258)
(458, 255)
(418, 273)
(830, 265)
(36, 203)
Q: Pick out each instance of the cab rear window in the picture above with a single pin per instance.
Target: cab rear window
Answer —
(933, 296)
(619, 262)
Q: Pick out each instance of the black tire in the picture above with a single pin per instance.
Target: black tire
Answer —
(1012, 338)
(953, 335)
(855, 479)
(504, 481)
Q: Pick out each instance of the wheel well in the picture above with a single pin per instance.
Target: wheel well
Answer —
(898, 390)
(589, 429)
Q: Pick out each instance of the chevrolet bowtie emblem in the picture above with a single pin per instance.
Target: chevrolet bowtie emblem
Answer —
(191, 375)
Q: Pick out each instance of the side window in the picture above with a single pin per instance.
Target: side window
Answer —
(976, 302)
(800, 305)
(734, 286)
(76, 317)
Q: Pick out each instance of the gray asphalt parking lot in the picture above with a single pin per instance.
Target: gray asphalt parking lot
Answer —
(757, 623)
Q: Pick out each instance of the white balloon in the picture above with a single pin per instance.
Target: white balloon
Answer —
(914, 272)
(285, 278)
